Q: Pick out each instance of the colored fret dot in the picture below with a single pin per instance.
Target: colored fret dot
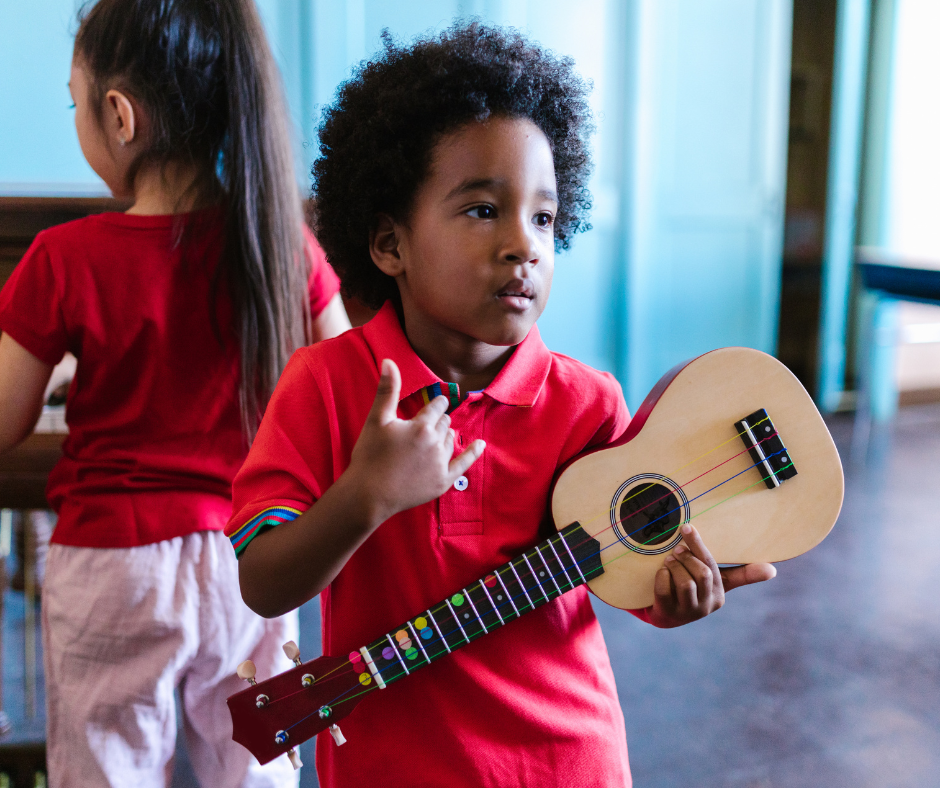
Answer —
(427, 633)
(359, 667)
(457, 600)
(365, 679)
(401, 635)
(412, 653)
(405, 644)
(354, 657)
(388, 652)
(490, 581)
(420, 623)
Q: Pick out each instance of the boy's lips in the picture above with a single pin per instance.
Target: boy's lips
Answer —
(521, 290)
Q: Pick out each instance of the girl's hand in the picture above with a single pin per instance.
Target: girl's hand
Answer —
(690, 585)
(399, 464)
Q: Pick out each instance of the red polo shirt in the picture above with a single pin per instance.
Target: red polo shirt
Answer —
(155, 434)
(533, 703)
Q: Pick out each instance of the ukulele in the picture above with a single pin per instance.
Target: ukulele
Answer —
(729, 440)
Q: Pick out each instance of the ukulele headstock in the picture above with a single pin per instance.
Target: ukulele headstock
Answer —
(271, 717)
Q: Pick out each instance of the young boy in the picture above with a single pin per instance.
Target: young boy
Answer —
(450, 172)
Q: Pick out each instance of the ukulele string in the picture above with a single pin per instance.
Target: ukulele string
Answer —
(555, 577)
(680, 506)
(681, 487)
(640, 490)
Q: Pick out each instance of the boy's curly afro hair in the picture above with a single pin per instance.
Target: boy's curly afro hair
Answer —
(376, 140)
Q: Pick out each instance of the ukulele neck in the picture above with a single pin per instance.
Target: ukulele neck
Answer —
(565, 561)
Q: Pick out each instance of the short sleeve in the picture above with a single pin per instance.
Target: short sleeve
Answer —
(31, 305)
(323, 283)
(616, 416)
(281, 479)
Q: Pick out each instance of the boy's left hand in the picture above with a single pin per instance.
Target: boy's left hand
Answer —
(690, 585)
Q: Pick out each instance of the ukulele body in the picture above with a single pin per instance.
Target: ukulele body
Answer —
(682, 460)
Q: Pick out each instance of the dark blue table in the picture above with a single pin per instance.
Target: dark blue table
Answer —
(886, 280)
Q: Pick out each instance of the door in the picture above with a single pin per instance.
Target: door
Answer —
(703, 225)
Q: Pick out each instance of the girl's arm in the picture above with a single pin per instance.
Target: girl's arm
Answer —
(23, 379)
(332, 321)
(396, 464)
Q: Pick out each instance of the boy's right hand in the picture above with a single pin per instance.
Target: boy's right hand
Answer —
(401, 463)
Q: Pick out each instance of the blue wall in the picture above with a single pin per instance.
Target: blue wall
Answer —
(690, 99)
(39, 152)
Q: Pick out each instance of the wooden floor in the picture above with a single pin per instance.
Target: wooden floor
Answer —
(827, 676)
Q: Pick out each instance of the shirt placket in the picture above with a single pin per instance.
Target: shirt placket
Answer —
(461, 507)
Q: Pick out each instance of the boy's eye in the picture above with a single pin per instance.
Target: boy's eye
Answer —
(482, 212)
(544, 219)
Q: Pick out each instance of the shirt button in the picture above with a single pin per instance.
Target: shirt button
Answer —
(461, 483)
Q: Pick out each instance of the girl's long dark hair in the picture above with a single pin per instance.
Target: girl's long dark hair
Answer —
(203, 71)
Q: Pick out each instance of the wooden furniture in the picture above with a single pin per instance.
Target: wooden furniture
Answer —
(25, 469)
(23, 765)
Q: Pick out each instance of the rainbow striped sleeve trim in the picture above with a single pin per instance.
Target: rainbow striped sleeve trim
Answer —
(269, 518)
(449, 390)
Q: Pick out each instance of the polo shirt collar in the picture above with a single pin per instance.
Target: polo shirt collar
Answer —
(518, 382)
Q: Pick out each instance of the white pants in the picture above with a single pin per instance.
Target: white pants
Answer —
(122, 629)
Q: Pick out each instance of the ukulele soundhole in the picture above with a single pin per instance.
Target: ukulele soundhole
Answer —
(646, 513)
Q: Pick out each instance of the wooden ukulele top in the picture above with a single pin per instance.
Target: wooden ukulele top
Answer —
(684, 440)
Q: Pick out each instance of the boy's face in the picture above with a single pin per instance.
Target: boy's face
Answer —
(476, 256)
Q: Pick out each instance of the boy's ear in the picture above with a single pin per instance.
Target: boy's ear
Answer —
(383, 246)
(122, 116)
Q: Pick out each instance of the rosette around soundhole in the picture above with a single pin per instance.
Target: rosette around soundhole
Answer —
(647, 511)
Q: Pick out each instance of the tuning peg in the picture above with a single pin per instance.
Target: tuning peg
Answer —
(293, 653)
(294, 757)
(337, 735)
(246, 671)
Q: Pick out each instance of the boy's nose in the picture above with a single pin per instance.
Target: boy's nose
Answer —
(520, 245)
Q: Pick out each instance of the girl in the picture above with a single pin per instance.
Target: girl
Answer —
(182, 312)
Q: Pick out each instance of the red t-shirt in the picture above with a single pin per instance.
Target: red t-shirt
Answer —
(533, 703)
(155, 433)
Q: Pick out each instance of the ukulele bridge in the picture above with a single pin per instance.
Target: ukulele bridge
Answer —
(766, 448)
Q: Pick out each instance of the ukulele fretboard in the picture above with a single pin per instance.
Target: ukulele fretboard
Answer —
(565, 561)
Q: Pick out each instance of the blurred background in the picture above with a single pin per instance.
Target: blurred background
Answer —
(767, 174)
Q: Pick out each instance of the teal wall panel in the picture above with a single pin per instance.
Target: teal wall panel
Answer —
(703, 225)
(845, 144)
(39, 151)
(581, 318)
